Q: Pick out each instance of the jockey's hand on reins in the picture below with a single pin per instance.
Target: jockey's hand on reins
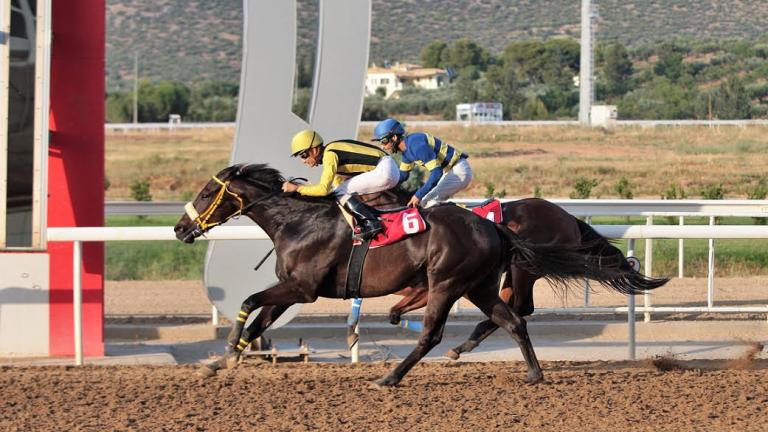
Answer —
(291, 185)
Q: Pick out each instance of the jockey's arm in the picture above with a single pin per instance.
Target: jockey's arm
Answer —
(435, 172)
(325, 185)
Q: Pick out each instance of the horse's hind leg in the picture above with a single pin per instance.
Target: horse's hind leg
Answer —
(504, 317)
(438, 307)
(413, 298)
(517, 292)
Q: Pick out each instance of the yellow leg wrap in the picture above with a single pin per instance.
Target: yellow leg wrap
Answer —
(242, 344)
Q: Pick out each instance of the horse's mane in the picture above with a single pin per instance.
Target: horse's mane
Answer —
(260, 174)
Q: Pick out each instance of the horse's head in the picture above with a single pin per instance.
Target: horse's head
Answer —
(227, 195)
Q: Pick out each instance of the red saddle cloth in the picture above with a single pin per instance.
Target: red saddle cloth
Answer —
(490, 210)
(397, 226)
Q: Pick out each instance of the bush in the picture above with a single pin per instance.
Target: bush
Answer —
(674, 192)
(490, 191)
(758, 191)
(583, 188)
(713, 192)
(623, 188)
(140, 191)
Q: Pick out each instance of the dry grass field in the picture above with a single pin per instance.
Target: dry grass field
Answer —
(514, 159)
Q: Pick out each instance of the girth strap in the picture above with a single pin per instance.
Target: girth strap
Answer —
(355, 270)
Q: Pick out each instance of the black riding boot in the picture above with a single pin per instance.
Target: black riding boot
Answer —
(369, 223)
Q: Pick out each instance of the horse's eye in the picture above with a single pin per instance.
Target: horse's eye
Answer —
(205, 195)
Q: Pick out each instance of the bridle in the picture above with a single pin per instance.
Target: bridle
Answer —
(202, 220)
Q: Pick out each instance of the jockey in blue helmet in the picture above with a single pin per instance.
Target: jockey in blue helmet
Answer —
(449, 170)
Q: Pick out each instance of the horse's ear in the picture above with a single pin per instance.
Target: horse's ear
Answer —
(239, 170)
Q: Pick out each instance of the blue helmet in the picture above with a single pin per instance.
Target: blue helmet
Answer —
(387, 127)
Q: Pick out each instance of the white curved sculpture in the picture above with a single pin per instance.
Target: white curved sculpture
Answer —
(265, 122)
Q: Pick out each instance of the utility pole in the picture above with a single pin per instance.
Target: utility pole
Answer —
(135, 87)
(585, 63)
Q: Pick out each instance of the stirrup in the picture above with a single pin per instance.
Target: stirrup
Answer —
(367, 232)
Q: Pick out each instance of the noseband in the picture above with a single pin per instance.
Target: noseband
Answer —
(202, 219)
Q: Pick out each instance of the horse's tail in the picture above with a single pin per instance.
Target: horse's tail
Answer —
(629, 279)
(595, 258)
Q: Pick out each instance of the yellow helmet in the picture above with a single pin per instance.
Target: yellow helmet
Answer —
(305, 140)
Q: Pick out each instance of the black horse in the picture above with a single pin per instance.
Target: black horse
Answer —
(541, 222)
(312, 243)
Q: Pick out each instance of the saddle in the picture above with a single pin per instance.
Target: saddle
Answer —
(399, 223)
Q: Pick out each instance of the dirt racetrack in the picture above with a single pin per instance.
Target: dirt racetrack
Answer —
(436, 396)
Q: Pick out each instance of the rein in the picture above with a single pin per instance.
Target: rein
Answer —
(202, 219)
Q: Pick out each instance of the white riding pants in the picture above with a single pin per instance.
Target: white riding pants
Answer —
(385, 176)
(455, 180)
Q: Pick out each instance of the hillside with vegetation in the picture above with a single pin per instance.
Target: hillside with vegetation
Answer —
(195, 40)
(188, 63)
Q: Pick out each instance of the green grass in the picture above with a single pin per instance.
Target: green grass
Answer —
(152, 260)
(746, 257)
(172, 260)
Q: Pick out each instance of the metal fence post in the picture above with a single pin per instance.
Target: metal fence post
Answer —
(680, 252)
(77, 298)
(648, 270)
(711, 269)
(631, 308)
(588, 220)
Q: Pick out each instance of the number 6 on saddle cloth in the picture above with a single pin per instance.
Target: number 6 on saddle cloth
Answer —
(398, 224)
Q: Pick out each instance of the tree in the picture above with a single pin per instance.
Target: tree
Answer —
(670, 63)
(157, 101)
(617, 70)
(213, 101)
(465, 53)
(119, 108)
(554, 62)
(500, 84)
(434, 54)
(465, 90)
(731, 101)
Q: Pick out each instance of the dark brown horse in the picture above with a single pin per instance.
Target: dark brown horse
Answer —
(540, 222)
(312, 244)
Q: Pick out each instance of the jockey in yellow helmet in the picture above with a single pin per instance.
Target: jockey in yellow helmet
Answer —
(349, 167)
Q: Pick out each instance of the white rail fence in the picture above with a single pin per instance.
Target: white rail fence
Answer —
(580, 208)
(631, 232)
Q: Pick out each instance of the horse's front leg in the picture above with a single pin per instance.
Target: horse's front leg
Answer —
(503, 316)
(275, 301)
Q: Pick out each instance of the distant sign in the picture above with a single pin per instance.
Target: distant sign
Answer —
(480, 112)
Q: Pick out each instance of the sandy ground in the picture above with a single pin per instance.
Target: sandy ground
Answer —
(189, 297)
(434, 396)
(660, 395)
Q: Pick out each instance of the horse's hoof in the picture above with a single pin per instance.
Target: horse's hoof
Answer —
(452, 354)
(394, 319)
(383, 383)
(205, 371)
(534, 379)
(232, 360)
